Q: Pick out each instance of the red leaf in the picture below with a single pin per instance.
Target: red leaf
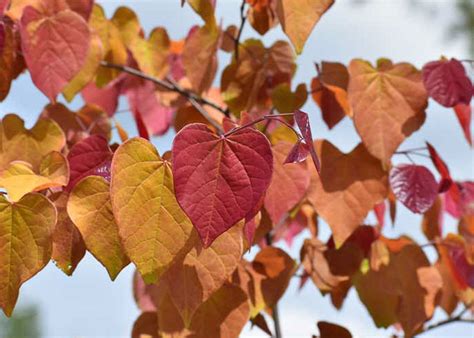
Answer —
(447, 82)
(298, 153)
(55, 45)
(442, 168)
(91, 156)
(141, 127)
(414, 186)
(219, 179)
(302, 121)
(379, 210)
(464, 115)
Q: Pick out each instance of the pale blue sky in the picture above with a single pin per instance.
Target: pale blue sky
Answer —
(89, 305)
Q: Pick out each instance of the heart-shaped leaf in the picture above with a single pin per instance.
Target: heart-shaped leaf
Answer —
(348, 187)
(219, 180)
(91, 211)
(91, 156)
(25, 241)
(447, 82)
(152, 226)
(414, 186)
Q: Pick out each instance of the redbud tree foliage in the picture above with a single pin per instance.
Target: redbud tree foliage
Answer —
(244, 171)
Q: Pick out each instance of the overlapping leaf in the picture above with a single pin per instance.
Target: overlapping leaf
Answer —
(25, 241)
(298, 18)
(388, 102)
(30, 146)
(295, 177)
(152, 226)
(219, 180)
(55, 42)
(348, 187)
(90, 209)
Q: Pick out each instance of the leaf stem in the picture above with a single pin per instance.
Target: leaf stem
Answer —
(265, 118)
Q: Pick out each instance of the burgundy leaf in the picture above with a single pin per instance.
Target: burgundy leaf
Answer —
(219, 179)
(141, 127)
(464, 115)
(91, 156)
(302, 121)
(298, 153)
(414, 186)
(447, 82)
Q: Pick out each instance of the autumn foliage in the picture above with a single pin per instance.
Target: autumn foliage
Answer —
(244, 171)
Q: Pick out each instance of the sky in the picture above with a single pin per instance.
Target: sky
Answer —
(88, 304)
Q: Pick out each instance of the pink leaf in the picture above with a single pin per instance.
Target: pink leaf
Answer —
(414, 186)
(302, 121)
(144, 102)
(459, 199)
(91, 156)
(219, 179)
(464, 115)
(55, 45)
(106, 98)
(447, 82)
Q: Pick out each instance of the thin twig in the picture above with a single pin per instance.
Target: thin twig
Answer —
(275, 313)
(243, 19)
(263, 118)
(455, 319)
(169, 85)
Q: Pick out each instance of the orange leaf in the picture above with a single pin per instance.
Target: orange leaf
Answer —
(389, 104)
(348, 187)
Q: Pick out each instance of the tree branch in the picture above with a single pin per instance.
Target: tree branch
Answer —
(243, 19)
(275, 313)
(455, 319)
(170, 85)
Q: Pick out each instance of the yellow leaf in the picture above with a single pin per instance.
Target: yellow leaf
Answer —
(25, 242)
(205, 10)
(19, 179)
(285, 101)
(91, 211)
(20, 144)
(127, 23)
(298, 18)
(152, 226)
(152, 54)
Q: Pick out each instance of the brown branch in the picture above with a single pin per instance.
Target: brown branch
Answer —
(275, 313)
(243, 19)
(450, 320)
(170, 85)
